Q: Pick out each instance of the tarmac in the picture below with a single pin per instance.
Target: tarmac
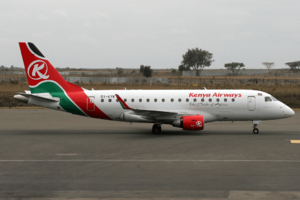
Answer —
(47, 154)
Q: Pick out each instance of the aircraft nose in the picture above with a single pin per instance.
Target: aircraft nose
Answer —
(289, 112)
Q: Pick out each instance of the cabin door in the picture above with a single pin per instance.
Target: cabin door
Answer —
(251, 103)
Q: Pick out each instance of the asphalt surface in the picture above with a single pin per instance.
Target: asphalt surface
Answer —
(51, 154)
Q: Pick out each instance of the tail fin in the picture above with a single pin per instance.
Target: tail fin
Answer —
(39, 70)
(43, 78)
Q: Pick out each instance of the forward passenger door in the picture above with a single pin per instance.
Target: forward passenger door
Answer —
(251, 103)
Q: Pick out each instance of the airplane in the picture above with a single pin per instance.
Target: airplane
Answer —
(186, 109)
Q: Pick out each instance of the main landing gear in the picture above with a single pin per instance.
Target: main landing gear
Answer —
(156, 129)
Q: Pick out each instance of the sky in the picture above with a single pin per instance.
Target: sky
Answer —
(130, 33)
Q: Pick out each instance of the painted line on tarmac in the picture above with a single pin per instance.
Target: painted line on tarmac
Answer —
(136, 160)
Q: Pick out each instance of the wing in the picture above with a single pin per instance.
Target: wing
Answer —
(157, 112)
(145, 112)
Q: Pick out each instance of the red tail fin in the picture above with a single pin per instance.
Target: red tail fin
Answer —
(38, 68)
(43, 78)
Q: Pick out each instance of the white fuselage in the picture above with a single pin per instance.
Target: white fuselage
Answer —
(214, 105)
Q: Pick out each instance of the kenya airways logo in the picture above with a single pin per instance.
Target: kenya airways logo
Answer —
(198, 124)
(38, 70)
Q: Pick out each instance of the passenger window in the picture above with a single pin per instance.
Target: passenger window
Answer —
(225, 100)
(172, 100)
(202, 100)
(132, 100)
(179, 100)
(102, 100)
(125, 100)
(209, 100)
(218, 100)
(195, 100)
(233, 100)
(109, 100)
(140, 100)
(268, 99)
(187, 100)
(163, 100)
(148, 100)
(155, 100)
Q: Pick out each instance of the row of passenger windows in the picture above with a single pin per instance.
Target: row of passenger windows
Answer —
(172, 100)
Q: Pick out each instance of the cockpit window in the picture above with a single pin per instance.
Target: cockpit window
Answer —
(268, 99)
(274, 99)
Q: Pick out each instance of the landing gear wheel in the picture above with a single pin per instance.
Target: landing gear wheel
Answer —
(255, 131)
(156, 129)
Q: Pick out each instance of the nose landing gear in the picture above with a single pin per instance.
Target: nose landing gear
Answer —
(255, 130)
(156, 129)
(255, 123)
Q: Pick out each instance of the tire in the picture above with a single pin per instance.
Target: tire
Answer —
(156, 129)
(255, 131)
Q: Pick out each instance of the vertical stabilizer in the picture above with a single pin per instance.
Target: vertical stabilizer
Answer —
(44, 79)
(39, 70)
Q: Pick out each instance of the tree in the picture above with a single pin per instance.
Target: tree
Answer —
(133, 72)
(142, 67)
(147, 71)
(181, 68)
(173, 71)
(294, 66)
(12, 67)
(197, 59)
(120, 71)
(234, 67)
(268, 65)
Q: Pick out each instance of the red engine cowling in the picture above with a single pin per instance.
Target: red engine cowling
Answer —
(193, 122)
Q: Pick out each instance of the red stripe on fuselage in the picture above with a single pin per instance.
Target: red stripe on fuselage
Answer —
(80, 99)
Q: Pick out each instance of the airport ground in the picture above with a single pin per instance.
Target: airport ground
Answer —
(50, 154)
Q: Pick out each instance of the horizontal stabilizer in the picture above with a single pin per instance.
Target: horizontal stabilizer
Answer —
(38, 97)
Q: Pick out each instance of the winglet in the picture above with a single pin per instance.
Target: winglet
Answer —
(123, 104)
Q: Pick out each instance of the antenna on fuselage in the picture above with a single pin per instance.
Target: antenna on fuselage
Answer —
(204, 88)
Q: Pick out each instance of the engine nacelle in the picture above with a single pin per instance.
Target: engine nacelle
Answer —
(192, 122)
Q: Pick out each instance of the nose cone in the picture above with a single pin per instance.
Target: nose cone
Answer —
(289, 112)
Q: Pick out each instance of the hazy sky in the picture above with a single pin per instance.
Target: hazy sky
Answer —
(110, 34)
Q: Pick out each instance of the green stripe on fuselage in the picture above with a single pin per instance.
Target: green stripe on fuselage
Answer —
(122, 105)
(56, 91)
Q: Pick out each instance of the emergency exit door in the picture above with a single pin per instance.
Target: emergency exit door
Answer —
(90, 103)
(251, 103)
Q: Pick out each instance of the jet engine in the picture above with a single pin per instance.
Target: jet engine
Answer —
(192, 122)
